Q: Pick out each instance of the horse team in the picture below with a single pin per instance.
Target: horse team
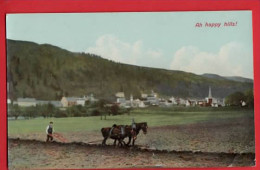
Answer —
(120, 132)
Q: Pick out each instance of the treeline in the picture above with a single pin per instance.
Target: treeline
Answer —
(236, 99)
(100, 108)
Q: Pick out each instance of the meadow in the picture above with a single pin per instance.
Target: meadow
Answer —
(154, 116)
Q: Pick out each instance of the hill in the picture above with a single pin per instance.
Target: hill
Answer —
(48, 72)
(234, 78)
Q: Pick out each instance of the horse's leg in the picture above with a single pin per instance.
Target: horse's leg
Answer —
(124, 142)
(115, 142)
(129, 141)
(133, 142)
(121, 142)
(104, 141)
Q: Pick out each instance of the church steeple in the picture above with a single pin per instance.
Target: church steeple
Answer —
(210, 96)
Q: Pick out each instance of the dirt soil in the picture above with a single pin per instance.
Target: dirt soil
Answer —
(216, 144)
(36, 154)
(229, 136)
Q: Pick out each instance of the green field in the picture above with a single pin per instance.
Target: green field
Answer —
(153, 116)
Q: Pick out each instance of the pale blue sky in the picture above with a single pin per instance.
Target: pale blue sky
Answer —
(167, 40)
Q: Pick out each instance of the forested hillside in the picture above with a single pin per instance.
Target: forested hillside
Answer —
(48, 72)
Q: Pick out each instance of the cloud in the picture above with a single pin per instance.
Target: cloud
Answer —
(110, 47)
(232, 59)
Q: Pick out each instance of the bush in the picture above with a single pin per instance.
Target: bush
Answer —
(95, 112)
(60, 113)
(14, 111)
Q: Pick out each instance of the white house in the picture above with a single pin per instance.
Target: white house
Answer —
(120, 95)
(144, 95)
(243, 103)
(173, 100)
(152, 98)
(187, 103)
(45, 102)
(26, 102)
(9, 101)
(80, 101)
(120, 98)
(181, 101)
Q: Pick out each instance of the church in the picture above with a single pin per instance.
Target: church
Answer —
(210, 101)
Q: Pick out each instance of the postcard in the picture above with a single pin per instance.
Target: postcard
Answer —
(130, 90)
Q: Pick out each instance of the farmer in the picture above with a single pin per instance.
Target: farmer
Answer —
(49, 131)
(133, 128)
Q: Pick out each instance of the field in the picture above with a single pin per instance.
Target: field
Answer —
(211, 132)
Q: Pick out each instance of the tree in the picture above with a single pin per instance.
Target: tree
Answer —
(30, 112)
(60, 113)
(42, 110)
(235, 99)
(114, 109)
(249, 97)
(15, 111)
(102, 109)
(50, 110)
(75, 111)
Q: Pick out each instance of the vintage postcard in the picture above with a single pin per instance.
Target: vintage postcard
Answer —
(130, 90)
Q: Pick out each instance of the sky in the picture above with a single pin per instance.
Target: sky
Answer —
(168, 40)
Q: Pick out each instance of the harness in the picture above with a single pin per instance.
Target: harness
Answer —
(111, 130)
(123, 130)
(133, 126)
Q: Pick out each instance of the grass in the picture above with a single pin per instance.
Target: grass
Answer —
(153, 116)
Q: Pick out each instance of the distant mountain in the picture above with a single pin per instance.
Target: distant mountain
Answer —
(233, 78)
(240, 79)
(213, 76)
(48, 72)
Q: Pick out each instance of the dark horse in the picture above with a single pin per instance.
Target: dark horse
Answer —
(116, 133)
(139, 126)
(113, 133)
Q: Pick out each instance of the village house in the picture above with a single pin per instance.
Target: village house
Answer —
(181, 101)
(120, 98)
(144, 96)
(139, 103)
(164, 103)
(68, 101)
(136, 103)
(243, 103)
(72, 101)
(122, 102)
(90, 98)
(187, 103)
(152, 98)
(45, 102)
(211, 101)
(172, 100)
(26, 102)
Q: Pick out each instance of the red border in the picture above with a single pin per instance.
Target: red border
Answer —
(58, 6)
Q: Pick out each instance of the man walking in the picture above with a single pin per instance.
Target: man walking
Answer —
(49, 131)
(133, 129)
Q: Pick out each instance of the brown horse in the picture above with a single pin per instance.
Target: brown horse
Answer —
(139, 126)
(116, 133)
(113, 133)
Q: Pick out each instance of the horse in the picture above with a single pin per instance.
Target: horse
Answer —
(130, 133)
(113, 133)
(139, 126)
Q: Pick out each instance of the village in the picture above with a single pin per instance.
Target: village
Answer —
(151, 99)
